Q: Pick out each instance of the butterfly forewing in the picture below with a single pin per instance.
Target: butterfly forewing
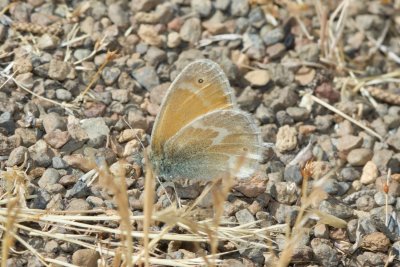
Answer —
(215, 144)
(202, 87)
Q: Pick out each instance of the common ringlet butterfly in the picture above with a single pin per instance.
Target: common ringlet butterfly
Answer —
(200, 133)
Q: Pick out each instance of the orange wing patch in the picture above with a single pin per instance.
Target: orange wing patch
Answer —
(200, 88)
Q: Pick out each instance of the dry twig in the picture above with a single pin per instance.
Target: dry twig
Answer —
(344, 115)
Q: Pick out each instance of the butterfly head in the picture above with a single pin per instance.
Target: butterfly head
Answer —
(161, 165)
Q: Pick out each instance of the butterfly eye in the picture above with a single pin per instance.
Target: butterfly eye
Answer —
(200, 80)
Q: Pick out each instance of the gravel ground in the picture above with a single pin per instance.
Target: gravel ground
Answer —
(321, 79)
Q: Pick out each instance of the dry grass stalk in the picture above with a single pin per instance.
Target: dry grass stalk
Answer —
(386, 191)
(220, 191)
(111, 55)
(243, 233)
(117, 184)
(331, 32)
(13, 181)
(86, 234)
(344, 115)
(78, 11)
(358, 83)
(9, 230)
(6, 8)
(149, 190)
(366, 86)
(71, 38)
(322, 12)
(384, 96)
(54, 29)
(217, 38)
(306, 212)
(336, 30)
(378, 43)
(296, 11)
(98, 46)
(293, 235)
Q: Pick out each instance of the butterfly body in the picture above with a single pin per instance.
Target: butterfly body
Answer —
(199, 132)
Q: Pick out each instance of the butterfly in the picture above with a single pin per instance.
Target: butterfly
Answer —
(200, 133)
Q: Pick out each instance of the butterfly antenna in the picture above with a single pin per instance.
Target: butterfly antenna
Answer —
(158, 180)
(165, 190)
(178, 200)
(137, 137)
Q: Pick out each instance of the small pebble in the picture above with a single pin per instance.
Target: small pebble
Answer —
(372, 259)
(283, 118)
(59, 163)
(251, 188)
(110, 75)
(222, 4)
(147, 77)
(40, 154)
(286, 139)
(7, 122)
(244, 216)
(365, 203)
(273, 36)
(50, 176)
(283, 213)
(293, 174)
(191, 30)
(336, 208)
(239, 8)
(298, 113)
(359, 156)
(202, 7)
(150, 36)
(321, 231)
(96, 130)
(118, 15)
(254, 43)
(60, 70)
(369, 173)
(375, 242)
(155, 56)
(17, 156)
(394, 140)
(257, 77)
(349, 174)
(276, 51)
(63, 95)
(81, 54)
(77, 204)
(380, 199)
(48, 42)
(324, 252)
(120, 95)
(51, 246)
(85, 257)
(173, 40)
(284, 192)
(348, 142)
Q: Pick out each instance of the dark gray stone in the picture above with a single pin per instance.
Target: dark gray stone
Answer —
(293, 174)
(147, 77)
(7, 122)
(336, 208)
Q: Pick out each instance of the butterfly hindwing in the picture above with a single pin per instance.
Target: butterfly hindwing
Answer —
(214, 144)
